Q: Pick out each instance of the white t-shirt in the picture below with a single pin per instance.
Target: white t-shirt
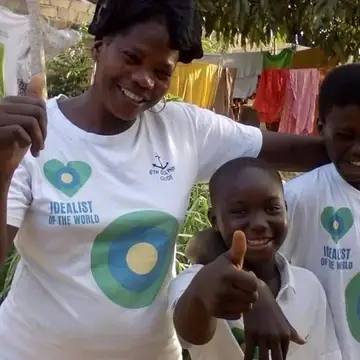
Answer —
(324, 238)
(303, 302)
(98, 218)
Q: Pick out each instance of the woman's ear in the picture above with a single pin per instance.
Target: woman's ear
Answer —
(96, 49)
(212, 218)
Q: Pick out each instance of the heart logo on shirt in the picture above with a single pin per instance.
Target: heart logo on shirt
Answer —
(337, 222)
(70, 178)
(352, 301)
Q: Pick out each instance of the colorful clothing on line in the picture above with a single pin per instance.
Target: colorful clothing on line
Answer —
(282, 60)
(270, 94)
(300, 102)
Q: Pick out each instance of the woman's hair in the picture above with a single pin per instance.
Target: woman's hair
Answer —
(178, 16)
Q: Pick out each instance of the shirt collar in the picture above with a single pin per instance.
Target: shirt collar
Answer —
(286, 274)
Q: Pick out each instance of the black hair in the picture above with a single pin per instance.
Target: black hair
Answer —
(341, 87)
(225, 172)
(180, 17)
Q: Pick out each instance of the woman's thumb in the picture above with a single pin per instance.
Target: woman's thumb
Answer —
(36, 86)
(238, 249)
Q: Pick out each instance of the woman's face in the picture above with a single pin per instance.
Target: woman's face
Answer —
(133, 69)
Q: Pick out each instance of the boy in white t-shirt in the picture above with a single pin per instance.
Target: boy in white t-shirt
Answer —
(324, 208)
(246, 195)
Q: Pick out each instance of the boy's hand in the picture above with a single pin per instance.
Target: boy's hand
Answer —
(267, 328)
(224, 289)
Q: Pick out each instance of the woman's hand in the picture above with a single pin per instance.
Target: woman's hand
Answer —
(267, 328)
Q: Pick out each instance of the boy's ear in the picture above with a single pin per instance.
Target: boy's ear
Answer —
(96, 49)
(212, 218)
(320, 126)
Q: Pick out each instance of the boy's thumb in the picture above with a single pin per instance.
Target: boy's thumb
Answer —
(36, 86)
(295, 337)
(238, 249)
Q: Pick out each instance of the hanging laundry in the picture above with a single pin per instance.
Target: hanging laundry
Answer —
(323, 72)
(249, 67)
(225, 91)
(196, 83)
(13, 28)
(14, 37)
(2, 70)
(313, 59)
(282, 60)
(300, 102)
(270, 94)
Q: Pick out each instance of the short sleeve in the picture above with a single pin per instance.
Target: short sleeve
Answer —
(322, 338)
(296, 222)
(19, 196)
(220, 139)
(180, 284)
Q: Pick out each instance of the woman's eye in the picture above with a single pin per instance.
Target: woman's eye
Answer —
(132, 58)
(162, 75)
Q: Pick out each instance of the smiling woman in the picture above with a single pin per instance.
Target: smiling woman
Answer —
(96, 232)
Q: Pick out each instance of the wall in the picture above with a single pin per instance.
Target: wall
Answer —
(60, 13)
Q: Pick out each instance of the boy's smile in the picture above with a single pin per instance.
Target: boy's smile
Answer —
(252, 202)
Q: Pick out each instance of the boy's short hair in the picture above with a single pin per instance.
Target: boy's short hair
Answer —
(225, 172)
(341, 87)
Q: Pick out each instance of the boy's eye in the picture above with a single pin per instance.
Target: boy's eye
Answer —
(273, 210)
(238, 211)
(344, 136)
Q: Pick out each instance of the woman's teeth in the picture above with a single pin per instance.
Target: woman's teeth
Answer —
(132, 96)
(258, 242)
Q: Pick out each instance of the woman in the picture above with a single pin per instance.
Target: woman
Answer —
(97, 203)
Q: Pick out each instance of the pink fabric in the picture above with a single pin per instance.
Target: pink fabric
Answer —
(300, 102)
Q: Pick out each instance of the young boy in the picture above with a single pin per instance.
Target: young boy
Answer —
(324, 208)
(246, 195)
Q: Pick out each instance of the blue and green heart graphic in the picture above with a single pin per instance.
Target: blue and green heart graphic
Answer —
(352, 301)
(337, 222)
(131, 258)
(70, 178)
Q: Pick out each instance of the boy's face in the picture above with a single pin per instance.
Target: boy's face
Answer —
(342, 135)
(252, 201)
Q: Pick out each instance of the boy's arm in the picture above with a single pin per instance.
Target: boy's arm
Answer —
(181, 302)
(204, 247)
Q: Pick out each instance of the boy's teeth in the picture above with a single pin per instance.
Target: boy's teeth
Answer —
(257, 242)
(131, 95)
(355, 163)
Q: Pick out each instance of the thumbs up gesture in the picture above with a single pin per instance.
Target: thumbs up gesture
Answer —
(23, 124)
(223, 287)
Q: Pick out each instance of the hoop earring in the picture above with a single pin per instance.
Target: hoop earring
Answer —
(156, 112)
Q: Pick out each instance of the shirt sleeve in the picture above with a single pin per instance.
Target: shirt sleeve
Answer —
(323, 335)
(20, 195)
(220, 139)
(296, 222)
(180, 284)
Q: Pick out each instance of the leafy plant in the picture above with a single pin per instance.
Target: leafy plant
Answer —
(70, 72)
